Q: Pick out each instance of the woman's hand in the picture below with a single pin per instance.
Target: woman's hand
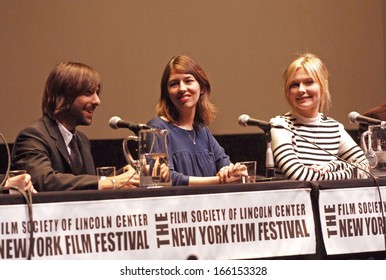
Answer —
(232, 173)
(322, 169)
(161, 170)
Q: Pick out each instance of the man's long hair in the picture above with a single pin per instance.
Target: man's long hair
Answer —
(65, 83)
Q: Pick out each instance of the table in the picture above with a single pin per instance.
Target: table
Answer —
(278, 219)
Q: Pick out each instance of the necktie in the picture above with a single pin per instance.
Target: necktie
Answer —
(76, 158)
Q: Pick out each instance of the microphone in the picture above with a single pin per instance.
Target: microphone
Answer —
(245, 120)
(116, 122)
(269, 162)
(355, 117)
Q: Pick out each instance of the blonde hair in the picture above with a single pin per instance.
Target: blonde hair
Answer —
(316, 69)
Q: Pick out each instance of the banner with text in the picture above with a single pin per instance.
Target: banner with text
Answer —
(353, 220)
(211, 226)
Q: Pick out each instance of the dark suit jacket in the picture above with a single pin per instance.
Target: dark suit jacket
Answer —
(40, 149)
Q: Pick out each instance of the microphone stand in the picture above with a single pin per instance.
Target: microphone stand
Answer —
(269, 162)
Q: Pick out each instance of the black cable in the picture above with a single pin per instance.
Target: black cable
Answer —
(28, 197)
(27, 194)
(8, 162)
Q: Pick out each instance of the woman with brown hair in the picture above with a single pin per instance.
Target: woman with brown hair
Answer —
(184, 109)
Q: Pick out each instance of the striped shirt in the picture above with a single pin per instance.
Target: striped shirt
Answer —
(322, 141)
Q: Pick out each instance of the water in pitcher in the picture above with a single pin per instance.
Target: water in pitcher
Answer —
(152, 164)
(154, 171)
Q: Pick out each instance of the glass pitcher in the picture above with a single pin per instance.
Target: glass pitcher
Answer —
(373, 144)
(152, 164)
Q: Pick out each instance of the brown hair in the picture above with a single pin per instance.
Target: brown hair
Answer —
(66, 82)
(206, 111)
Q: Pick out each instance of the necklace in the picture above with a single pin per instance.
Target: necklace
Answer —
(194, 136)
(187, 133)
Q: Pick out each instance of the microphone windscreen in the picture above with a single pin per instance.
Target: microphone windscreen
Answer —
(243, 120)
(113, 122)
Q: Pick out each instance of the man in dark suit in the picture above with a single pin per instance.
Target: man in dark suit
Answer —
(52, 150)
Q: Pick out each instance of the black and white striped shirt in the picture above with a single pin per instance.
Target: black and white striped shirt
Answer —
(306, 142)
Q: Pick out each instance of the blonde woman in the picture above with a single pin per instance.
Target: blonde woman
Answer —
(312, 146)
